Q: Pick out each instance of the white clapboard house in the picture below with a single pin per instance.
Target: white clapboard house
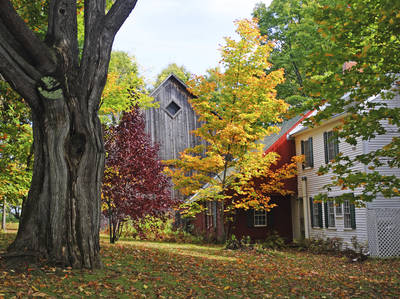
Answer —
(377, 225)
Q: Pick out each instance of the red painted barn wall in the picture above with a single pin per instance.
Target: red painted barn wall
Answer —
(279, 219)
(286, 149)
(213, 233)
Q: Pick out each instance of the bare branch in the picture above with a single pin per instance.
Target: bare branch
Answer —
(36, 49)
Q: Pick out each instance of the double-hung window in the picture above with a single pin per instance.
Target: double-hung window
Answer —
(307, 151)
(346, 214)
(339, 210)
(331, 146)
(331, 214)
(349, 215)
(315, 213)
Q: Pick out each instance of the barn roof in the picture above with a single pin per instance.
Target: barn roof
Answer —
(284, 129)
(171, 77)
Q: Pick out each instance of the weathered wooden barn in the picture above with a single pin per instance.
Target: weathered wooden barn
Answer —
(171, 124)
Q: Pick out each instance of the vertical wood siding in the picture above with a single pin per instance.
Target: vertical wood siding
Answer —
(173, 134)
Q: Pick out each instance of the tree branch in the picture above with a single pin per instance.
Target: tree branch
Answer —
(18, 79)
(16, 54)
(94, 10)
(94, 17)
(38, 52)
(99, 36)
(117, 15)
(62, 30)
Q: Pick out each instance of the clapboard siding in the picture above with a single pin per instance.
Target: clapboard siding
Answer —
(315, 184)
(381, 140)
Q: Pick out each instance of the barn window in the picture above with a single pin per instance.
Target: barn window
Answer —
(260, 218)
(173, 109)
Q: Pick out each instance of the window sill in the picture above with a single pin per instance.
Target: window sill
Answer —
(331, 228)
(348, 229)
(308, 168)
(259, 226)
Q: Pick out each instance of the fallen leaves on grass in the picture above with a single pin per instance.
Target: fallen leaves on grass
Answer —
(162, 270)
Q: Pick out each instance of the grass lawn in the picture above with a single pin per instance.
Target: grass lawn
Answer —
(167, 270)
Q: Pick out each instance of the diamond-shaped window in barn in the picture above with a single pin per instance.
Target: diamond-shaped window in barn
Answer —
(173, 109)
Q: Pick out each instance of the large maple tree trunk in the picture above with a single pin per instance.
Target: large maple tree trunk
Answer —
(61, 216)
(60, 219)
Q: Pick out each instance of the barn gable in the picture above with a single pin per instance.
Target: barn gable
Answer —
(171, 124)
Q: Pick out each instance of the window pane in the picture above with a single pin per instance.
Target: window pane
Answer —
(339, 211)
(347, 215)
(331, 145)
(307, 153)
(260, 218)
(173, 108)
(316, 215)
(331, 214)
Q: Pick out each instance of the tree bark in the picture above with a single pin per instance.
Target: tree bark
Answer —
(60, 219)
(4, 217)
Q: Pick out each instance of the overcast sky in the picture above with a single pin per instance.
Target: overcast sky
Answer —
(187, 32)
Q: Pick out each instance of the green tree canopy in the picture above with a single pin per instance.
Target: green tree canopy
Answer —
(180, 71)
(364, 34)
(289, 24)
(15, 148)
(124, 89)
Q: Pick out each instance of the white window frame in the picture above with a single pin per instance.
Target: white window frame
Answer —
(258, 215)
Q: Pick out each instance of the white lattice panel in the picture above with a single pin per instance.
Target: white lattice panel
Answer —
(384, 232)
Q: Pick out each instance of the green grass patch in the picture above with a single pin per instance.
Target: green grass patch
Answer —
(135, 269)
